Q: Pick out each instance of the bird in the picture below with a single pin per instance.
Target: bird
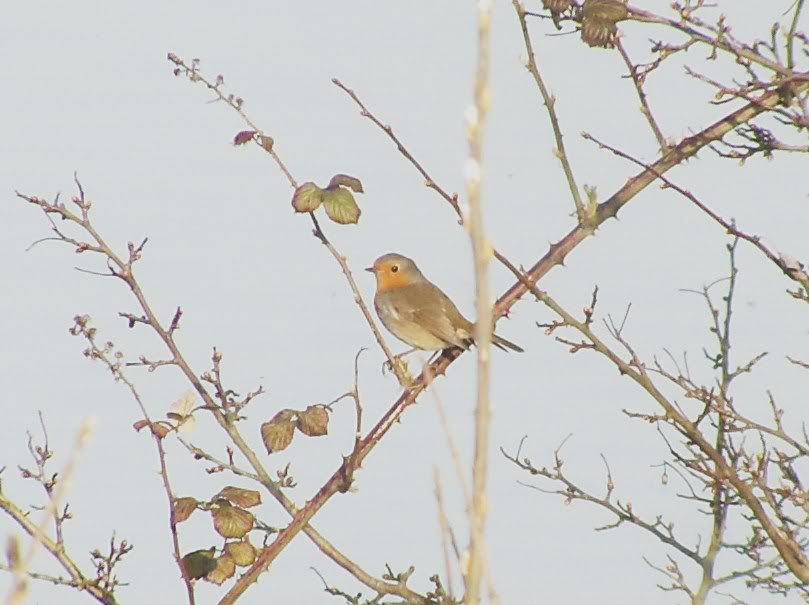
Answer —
(417, 312)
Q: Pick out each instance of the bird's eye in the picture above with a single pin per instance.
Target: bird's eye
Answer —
(394, 268)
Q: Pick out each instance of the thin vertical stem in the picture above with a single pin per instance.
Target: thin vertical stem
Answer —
(482, 252)
(793, 28)
(550, 104)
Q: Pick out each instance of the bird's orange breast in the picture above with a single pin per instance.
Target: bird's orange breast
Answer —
(391, 281)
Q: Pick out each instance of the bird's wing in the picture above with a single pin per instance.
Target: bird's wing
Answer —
(439, 316)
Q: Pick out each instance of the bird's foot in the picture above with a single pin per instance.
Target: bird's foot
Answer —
(400, 368)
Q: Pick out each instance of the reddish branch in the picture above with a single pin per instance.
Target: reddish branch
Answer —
(555, 256)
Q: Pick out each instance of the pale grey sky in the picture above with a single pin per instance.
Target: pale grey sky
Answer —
(87, 88)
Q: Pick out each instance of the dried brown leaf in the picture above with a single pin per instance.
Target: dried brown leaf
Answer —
(344, 180)
(313, 421)
(277, 433)
(183, 507)
(266, 142)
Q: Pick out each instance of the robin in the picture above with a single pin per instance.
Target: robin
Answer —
(417, 312)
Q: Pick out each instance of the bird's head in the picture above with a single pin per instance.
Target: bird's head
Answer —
(394, 271)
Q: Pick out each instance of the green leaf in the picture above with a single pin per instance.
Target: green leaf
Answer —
(340, 206)
(307, 198)
(199, 563)
(343, 180)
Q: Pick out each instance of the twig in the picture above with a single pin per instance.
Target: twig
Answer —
(644, 102)
(116, 368)
(794, 558)
(623, 512)
(447, 535)
(260, 137)
(550, 104)
(790, 271)
(21, 563)
(720, 40)
(460, 471)
(355, 395)
(451, 199)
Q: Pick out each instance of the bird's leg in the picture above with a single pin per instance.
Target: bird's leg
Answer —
(397, 359)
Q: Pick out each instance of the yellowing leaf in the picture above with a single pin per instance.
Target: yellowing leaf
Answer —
(556, 5)
(225, 568)
(243, 553)
(183, 405)
(277, 434)
(240, 497)
(313, 421)
(183, 507)
(609, 10)
(340, 206)
(307, 198)
(199, 563)
(231, 521)
(599, 18)
(343, 180)
(160, 430)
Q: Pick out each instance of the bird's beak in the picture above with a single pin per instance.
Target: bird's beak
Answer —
(371, 269)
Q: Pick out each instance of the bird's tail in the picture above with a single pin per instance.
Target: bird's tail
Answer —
(504, 344)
